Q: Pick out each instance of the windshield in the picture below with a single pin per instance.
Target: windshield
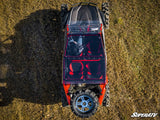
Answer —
(83, 14)
(84, 45)
(84, 19)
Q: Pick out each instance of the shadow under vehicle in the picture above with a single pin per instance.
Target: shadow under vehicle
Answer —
(30, 66)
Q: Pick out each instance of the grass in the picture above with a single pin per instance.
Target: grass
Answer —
(31, 72)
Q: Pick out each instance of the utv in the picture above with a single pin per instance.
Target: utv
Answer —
(84, 79)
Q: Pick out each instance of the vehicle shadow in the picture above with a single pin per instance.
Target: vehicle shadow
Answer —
(33, 60)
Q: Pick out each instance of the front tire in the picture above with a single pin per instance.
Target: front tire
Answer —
(106, 100)
(105, 10)
(64, 15)
(84, 104)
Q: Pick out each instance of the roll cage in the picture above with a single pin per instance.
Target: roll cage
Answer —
(87, 63)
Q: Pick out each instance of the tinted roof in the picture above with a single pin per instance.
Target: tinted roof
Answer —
(84, 46)
(83, 13)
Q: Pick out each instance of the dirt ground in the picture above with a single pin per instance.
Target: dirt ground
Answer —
(31, 45)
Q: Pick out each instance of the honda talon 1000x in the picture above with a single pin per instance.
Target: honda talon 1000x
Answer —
(84, 78)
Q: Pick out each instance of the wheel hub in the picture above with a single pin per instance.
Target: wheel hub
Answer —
(84, 103)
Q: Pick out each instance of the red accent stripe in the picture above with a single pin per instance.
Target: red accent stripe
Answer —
(84, 34)
(85, 60)
(101, 28)
(70, 66)
(87, 66)
(102, 86)
(101, 77)
(88, 28)
(81, 54)
(66, 87)
(71, 73)
(89, 52)
(106, 79)
(67, 28)
(89, 73)
(82, 77)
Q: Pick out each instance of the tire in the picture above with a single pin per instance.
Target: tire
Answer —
(63, 97)
(106, 100)
(105, 11)
(64, 14)
(84, 104)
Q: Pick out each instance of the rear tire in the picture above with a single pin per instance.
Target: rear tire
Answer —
(105, 10)
(106, 100)
(84, 104)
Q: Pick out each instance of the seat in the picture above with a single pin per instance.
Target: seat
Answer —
(94, 70)
(76, 70)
